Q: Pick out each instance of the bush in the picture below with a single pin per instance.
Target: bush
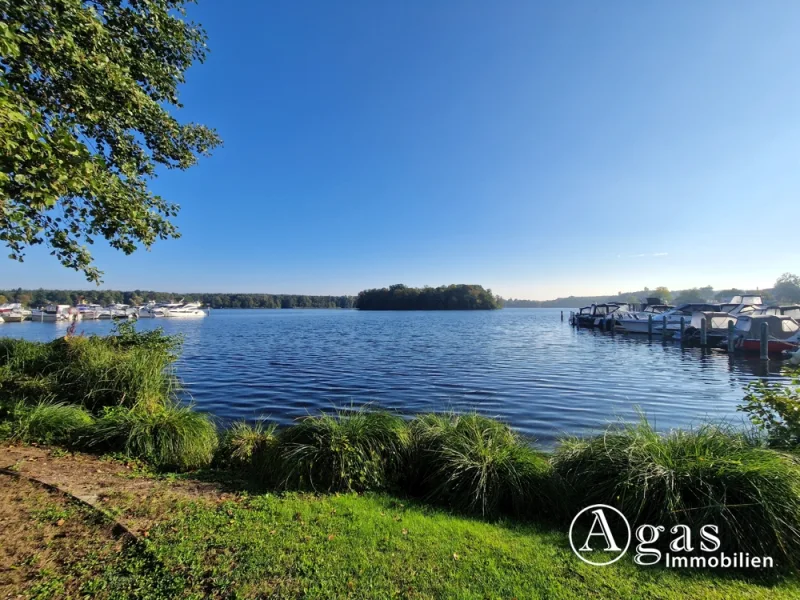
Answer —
(708, 475)
(479, 465)
(250, 447)
(169, 437)
(353, 450)
(126, 369)
(775, 409)
(49, 423)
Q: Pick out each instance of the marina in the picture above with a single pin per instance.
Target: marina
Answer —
(744, 324)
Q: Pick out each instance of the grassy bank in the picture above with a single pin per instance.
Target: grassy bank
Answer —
(300, 545)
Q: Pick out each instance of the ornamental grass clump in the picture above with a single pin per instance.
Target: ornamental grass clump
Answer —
(168, 437)
(344, 451)
(479, 465)
(49, 423)
(707, 475)
(251, 448)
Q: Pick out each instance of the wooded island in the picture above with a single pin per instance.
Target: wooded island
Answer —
(450, 297)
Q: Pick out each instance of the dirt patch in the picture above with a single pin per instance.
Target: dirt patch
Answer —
(133, 498)
(44, 533)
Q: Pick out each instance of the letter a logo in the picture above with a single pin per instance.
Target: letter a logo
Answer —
(600, 536)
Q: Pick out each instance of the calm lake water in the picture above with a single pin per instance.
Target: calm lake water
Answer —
(522, 365)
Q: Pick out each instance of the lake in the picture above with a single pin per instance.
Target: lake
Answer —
(524, 366)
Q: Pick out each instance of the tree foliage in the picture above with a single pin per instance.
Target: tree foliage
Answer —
(450, 297)
(775, 409)
(41, 297)
(85, 92)
(787, 288)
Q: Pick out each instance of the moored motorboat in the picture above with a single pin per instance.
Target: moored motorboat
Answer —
(17, 316)
(596, 315)
(640, 322)
(55, 312)
(783, 333)
(185, 311)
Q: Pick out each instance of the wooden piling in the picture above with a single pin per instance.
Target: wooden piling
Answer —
(650, 325)
(703, 333)
(562, 316)
(731, 339)
(683, 330)
(663, 328)
(764, 341)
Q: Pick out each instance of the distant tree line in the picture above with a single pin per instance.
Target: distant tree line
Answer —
(41, 297)
(451, 297)
(785, 291)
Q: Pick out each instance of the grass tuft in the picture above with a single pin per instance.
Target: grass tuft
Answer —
(49, 423)
(479, 465)
(170, 437)
(346, 450)
(251, 447)
(707, 475)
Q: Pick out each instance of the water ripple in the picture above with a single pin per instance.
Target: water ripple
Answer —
(522, 365)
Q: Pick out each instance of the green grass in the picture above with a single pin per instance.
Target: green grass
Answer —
(251, 448)
(480, 465)
(49, 423)
(708, 475)
(127, 369)
(171, 437)
(377, 546)
(345, 450)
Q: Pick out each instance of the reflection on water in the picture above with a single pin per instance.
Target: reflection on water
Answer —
(523, 365)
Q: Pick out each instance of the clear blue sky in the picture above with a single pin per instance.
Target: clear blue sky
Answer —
(538, 148)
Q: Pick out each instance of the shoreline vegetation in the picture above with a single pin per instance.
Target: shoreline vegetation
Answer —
(118, 395)
(397, 297)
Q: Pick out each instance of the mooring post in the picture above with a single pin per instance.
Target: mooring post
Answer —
(730, 337)
(650, 325)
(562, 316)
(764, 341)
(663, 327)
(703, 333)
(683, 330)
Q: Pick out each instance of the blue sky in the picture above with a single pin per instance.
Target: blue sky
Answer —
(538, 148)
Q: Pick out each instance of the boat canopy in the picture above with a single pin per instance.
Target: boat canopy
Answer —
(791, 310)
(745, 299)
(688, 309)
(781, 327)
(714, 320)
(607, 308)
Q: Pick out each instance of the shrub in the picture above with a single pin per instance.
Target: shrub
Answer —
(479, 465)
(103, 372)
(169, 437)
(708, 475)
(49, 423)
(250, 447)
(352, 450)
(775, 409)
(126, 369)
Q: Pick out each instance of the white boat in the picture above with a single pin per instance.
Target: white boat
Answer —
(639, 322)
(55, 312)
(12, 312)
(89, 311)
(151, 311)
(186, 311)
(16, 316)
